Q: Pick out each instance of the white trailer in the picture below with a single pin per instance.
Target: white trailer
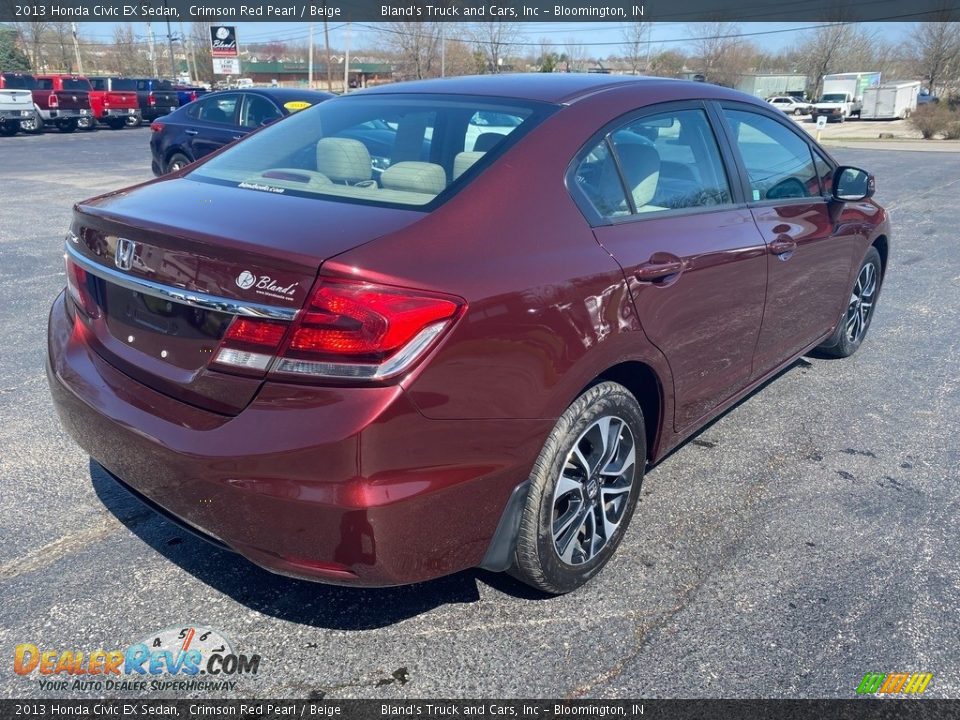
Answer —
(890, 101)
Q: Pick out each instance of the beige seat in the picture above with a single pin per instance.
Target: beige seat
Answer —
(412, 176)
(344, 160)
(463, 162)
(641, 168)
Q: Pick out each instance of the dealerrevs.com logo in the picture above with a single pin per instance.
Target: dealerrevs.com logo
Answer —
(894, 683)
(196, 658)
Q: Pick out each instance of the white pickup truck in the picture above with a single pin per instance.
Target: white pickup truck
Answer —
(15, 105)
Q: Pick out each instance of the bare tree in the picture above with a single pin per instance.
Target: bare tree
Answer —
(32, 33)
(636, 45)
(721, 54)
(669, 63)
(200, 32)
(824, 51)
(417, 46)
(128, 56)
(494, 39)
(574, 55)
(934, 49)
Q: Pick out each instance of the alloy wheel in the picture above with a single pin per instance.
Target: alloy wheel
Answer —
(861, 303)
(590, 496)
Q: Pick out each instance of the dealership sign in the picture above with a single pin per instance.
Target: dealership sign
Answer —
(223, 41)
(226, 66)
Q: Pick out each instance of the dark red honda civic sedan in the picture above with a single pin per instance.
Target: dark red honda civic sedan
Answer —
(447, 324)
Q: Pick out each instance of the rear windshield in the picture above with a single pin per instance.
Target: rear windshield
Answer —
(406, 150)
(123, 84)
(19, 82)
(75, 84)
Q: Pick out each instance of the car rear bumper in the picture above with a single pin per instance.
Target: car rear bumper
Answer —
(65, 114)
(120, 113)
(15, 114)
(285, 484)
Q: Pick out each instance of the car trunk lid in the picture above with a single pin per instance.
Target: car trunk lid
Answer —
(16, 99)
(166, 296)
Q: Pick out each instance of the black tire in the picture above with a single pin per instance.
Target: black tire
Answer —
(66, 126)
(116, 123)
(9, 129)
(176, 162)
(844, 343)
(537, 559)
(798, 112)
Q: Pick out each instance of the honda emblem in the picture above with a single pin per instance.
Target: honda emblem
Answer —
(123, 256)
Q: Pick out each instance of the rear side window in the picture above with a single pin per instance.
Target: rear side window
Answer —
(779, 163)
(218, 109)
(123, 84)
(19, 82)
(668, 161)
(69, 84)
(44, 84)
(98, 83)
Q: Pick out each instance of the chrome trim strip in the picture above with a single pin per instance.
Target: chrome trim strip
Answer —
(179, 295)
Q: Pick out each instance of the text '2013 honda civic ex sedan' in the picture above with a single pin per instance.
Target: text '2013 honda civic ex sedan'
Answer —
(379, 370)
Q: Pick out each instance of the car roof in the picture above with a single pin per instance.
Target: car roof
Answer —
(557, 88)
(280, 94)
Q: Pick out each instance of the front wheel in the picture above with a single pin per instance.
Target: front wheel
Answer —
(583, 491)
(798, 112)
(855, 320)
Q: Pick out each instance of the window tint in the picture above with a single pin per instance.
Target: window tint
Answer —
(19, 82)
(69, 84)
(257, 110)
(671, 161)
(44, 84)
(217, 109)
(779, 163)
(598, 179)
(124, 84)
(98, 83)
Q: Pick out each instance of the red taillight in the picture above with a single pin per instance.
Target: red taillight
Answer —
(78, 286)
(363, 322)
(54, 101)
(348, 329)
(151, 99)
(156, 126)
(193, 96)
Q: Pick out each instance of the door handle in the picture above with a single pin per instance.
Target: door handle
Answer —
(783, 245)
(653, 271)
(191, 132)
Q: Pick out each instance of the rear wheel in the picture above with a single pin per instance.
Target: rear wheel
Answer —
(66, 126)
(855, 321)
(583, 491)
(116, 123)
(9, 129)
(177, 161)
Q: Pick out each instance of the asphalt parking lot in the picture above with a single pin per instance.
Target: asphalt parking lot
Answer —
(810, 535)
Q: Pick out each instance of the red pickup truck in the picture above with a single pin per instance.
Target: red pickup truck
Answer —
(64, 101)
(114, 101)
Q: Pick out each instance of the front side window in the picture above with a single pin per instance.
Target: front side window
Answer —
(257, 111)
(779, 163)
(69, 84)
(45, 84)
(378, 149)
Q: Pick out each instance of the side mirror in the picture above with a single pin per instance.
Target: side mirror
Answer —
(852, 184)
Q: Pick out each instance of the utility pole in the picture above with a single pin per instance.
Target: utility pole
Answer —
(76, 49)
(443, 49)
(153, 55)
(310, 60)
(346, 60)
(326, 45)
(173, 69)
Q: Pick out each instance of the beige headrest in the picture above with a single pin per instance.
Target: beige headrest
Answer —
(641, 166)
(412, 176)
(343, 160)
(463, 161)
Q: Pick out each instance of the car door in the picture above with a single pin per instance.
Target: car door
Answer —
(666, 208)
(212, 123)
(808, 255)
